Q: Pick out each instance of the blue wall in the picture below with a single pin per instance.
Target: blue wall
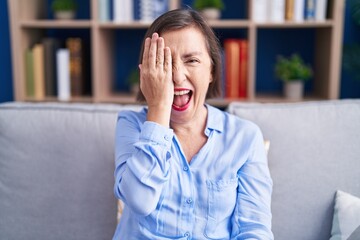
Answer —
(266, 82)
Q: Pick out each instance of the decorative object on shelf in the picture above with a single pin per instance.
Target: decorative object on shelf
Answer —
(351, 52)
(293, 72)
(134, 81)
(64, 9)
(211, 9)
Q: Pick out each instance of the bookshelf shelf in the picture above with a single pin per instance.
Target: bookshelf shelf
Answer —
(229, 23)
(55, 24)
(310, 24)
(29, 26)
(132, 25)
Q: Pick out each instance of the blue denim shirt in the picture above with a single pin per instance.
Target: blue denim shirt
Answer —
(223, 193)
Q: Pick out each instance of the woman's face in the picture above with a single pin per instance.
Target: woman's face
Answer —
(191, 72)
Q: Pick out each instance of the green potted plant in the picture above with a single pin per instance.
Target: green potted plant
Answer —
(133, 80)
(64, 9)
(293, 72)
(211, 9)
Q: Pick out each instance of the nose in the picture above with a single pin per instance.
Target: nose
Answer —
(178, 73)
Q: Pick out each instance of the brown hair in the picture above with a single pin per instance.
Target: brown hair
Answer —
(182, 18)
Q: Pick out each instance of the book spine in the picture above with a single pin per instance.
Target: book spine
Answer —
(50, 46)
(320, 10)
(39, 81)
(310, 9)
(63, 74)
(104, 10)
(128, 10)
(289, 10)
(29, 65)
(232, 56)
(118, 11)
(243, 79)
(76, 72)
(299, 7)
(259, 11)
(277, 10)
(160, 7)
(146, 9)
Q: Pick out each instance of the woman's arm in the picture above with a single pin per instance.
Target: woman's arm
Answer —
(142, 152)
(252, 214)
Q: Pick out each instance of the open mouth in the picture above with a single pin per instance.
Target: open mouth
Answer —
(182, 99)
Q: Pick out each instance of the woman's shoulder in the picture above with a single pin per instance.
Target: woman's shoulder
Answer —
(230, 123)
(133, 115)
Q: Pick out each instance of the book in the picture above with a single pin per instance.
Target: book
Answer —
(320, 10)
(232, 63)
(76, 66)
(63, 74)
(243, 78)
(289, 10)
(50, 47)
(259, 11)
(123, 11)
(146, 10)
(299, 8)
(310, 10)
(39, 73)
(276, 10)
(104, 10)
(29, 73)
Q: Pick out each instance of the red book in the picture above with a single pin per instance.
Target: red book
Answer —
(232, 70)
(243, 79)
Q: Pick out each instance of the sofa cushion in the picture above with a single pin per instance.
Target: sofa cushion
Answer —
(346, 220)
(314, 152)
(56, 171)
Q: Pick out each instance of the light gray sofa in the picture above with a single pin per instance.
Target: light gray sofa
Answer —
(56, 166)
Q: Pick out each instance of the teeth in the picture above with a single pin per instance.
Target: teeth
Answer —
(183, 92)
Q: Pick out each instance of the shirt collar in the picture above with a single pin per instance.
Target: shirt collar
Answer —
(215, 119)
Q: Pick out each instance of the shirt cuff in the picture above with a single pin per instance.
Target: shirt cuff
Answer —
(156, 133)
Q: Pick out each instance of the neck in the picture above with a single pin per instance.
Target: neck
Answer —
(196, 125)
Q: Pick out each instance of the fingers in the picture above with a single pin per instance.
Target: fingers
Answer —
(153, 50)
(153, 55)
(167, 60)
(146, 52)
(160, 52)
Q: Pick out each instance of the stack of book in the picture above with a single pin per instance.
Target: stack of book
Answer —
(235, 68)
(52, 71)
(125, 11)
(288, 10)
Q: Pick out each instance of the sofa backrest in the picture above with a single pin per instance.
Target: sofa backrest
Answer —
(56, 171)
(314, 151)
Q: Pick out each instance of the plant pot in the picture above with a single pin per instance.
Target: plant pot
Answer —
(64, 15)
(294, 90)
(211, 13)
(135, 88)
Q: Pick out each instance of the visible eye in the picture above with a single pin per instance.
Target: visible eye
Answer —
(193, 61)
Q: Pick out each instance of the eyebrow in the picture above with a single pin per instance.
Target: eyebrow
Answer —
(187, 55)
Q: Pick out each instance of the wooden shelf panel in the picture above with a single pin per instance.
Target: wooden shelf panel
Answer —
(229, 23)
(132, 25)
(55, 24)
(305, 24)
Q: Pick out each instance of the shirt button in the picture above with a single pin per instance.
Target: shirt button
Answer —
(187, 234)
(189, 200)
(185, 168)
(166, 137)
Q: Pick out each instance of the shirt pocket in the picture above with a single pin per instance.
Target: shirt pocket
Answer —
(221, 203)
